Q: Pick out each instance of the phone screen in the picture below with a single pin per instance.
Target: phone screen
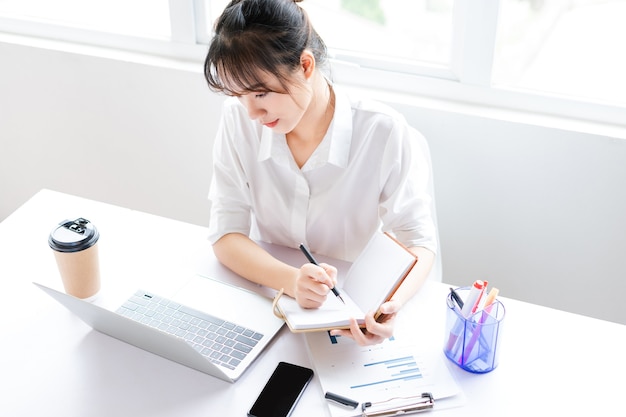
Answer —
(282, 391)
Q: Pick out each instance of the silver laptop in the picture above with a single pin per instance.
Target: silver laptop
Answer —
(221, 338)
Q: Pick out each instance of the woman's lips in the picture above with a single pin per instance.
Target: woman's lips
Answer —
(271, 124)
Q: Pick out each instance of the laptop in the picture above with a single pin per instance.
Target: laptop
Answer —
(221, 338)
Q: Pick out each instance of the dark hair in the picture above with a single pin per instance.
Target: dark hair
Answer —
(252, 37)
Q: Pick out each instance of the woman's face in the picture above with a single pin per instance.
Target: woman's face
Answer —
(280, 111)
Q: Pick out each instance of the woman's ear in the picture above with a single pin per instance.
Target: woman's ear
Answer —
(307, 63)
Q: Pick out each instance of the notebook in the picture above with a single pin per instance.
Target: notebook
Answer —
(251, 328)
(371, 280)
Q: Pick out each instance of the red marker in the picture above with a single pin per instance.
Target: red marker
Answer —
(472, 301)
(481, 298)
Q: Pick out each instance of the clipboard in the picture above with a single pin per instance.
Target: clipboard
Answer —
(402, 374)
(424, 402)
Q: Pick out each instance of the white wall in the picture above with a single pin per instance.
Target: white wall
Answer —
(131, 134)
(537, 211)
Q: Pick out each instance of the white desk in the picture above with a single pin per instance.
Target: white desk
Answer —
(551, 363)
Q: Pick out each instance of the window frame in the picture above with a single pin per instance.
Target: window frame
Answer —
(466, 82)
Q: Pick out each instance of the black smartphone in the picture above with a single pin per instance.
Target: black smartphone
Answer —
(282, 391)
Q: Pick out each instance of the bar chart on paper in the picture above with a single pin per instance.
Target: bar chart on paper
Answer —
(394, 369)
(390, 371)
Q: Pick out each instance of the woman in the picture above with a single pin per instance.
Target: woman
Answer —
(296, 160)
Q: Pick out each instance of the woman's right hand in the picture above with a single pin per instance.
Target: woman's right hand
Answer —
(314, 283)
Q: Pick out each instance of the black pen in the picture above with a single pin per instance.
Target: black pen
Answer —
(314, 262)
(456, 297)
(347, 402)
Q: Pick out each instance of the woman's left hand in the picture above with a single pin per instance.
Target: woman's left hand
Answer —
(375, 331)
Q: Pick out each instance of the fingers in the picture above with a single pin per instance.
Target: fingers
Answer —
(324, 273)
(361, 336)
(374, 332)
(313, 284)
(354, 327)
(382, 327)
(390, 307)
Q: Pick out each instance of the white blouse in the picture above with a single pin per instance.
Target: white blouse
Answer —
(369, 172)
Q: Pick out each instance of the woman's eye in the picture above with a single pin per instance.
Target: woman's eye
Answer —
(260, 95)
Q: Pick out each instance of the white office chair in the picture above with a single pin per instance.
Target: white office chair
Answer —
(436, 273)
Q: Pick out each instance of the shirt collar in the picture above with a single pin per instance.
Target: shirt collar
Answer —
(265, 148)
(335, 148)
(340, 130)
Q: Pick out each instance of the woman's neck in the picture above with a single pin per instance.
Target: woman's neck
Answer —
(310, 132)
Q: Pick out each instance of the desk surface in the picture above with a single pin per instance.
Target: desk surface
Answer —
(552, 362)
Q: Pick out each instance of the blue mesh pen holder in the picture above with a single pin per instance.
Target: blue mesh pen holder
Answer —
(473, 342)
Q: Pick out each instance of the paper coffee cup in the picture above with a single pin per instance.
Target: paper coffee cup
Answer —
(75, 247)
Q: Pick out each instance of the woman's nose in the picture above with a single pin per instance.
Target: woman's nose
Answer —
(254, 111)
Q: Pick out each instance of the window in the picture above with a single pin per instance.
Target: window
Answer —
(156, 27)
(122, 17)
(558, 57)
(572, 48)
(396, 35)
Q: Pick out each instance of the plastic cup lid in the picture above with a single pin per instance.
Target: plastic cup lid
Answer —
(73, 235)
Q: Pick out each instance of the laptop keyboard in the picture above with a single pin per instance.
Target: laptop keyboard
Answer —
(222, 342)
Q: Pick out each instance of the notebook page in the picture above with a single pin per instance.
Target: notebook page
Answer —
(376, 272)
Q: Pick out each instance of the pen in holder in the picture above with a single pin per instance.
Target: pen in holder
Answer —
(473, 342)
